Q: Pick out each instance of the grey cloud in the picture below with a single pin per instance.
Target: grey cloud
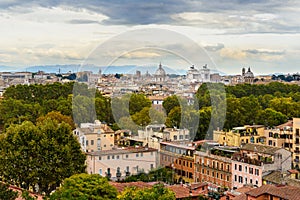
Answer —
(143, 12)
(265, 52)
(214, 48)
(82, 21)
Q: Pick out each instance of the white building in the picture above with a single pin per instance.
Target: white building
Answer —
(156, 133)
(118, 163)
(202, 75)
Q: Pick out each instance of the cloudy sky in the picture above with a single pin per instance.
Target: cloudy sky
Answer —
(262, 34)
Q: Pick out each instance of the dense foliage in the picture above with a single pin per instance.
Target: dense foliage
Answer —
(218, 106)
(39, 155)
(165, 175)
(29, 102)
(6, 193)
(158, 192)
(85, 187)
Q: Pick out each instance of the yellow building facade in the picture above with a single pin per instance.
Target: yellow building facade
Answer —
(241, 135)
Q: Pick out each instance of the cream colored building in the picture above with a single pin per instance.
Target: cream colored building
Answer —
(118, 163)
(280, 136)
(240, 135)
(154, 134)
(95, 136)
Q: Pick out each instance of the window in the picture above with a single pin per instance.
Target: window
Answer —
(256, 172)
(217, 175)
(235, 166)
(222, 166)
(180, 137)
(227, 178)
(256, 182)
(250, 180)
(270, 134)
(86, 142)
(246, 180)
(240, 168)
(118, 157)
(92, 142)
(108, 157)
(246, 168)
(235, 178)
(202, 171)
(104, 135)
(151, 166)
(99, 157)
(213, 174)
(270, 142)
(175, 137)
(113, 157)
(100, 172)
(151, 153)
(228, 168)
(127, 169)
(137, 155)
(126, 156)
(104, 145)
(208, 172)
(240, 179)
(111, 135)
(191, 165)
(142, 154)
(221, 176)
(250, 170)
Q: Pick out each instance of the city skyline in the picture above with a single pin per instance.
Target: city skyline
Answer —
(234, 34)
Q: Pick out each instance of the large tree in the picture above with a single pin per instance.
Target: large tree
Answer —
(158, 192)
(39, 155)
(85, 187)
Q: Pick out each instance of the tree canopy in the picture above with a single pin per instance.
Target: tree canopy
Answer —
(85, 187)
(39, 155)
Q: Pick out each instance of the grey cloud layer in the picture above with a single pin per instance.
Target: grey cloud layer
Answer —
(235, 16)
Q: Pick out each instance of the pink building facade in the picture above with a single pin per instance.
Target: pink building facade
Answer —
(245, 173)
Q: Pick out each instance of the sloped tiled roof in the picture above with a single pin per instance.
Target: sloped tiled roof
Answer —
(260, 148)
(285, 192)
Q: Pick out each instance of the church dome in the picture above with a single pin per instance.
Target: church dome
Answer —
(249, 73)
(160, 71)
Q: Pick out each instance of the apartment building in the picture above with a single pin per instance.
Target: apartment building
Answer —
(95, 136)
(154, 134)
(280, 136)
(246, 172)
(214, 167)
(241, 135)
(119, 163)
(180, 157)
(270, 158)
(296, 143)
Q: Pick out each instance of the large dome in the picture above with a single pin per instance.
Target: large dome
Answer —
(249, 74)
(160, 71)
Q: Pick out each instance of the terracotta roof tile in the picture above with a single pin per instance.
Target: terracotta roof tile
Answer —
(285, 192)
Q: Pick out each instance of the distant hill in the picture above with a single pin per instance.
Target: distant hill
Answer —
(74, 68)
